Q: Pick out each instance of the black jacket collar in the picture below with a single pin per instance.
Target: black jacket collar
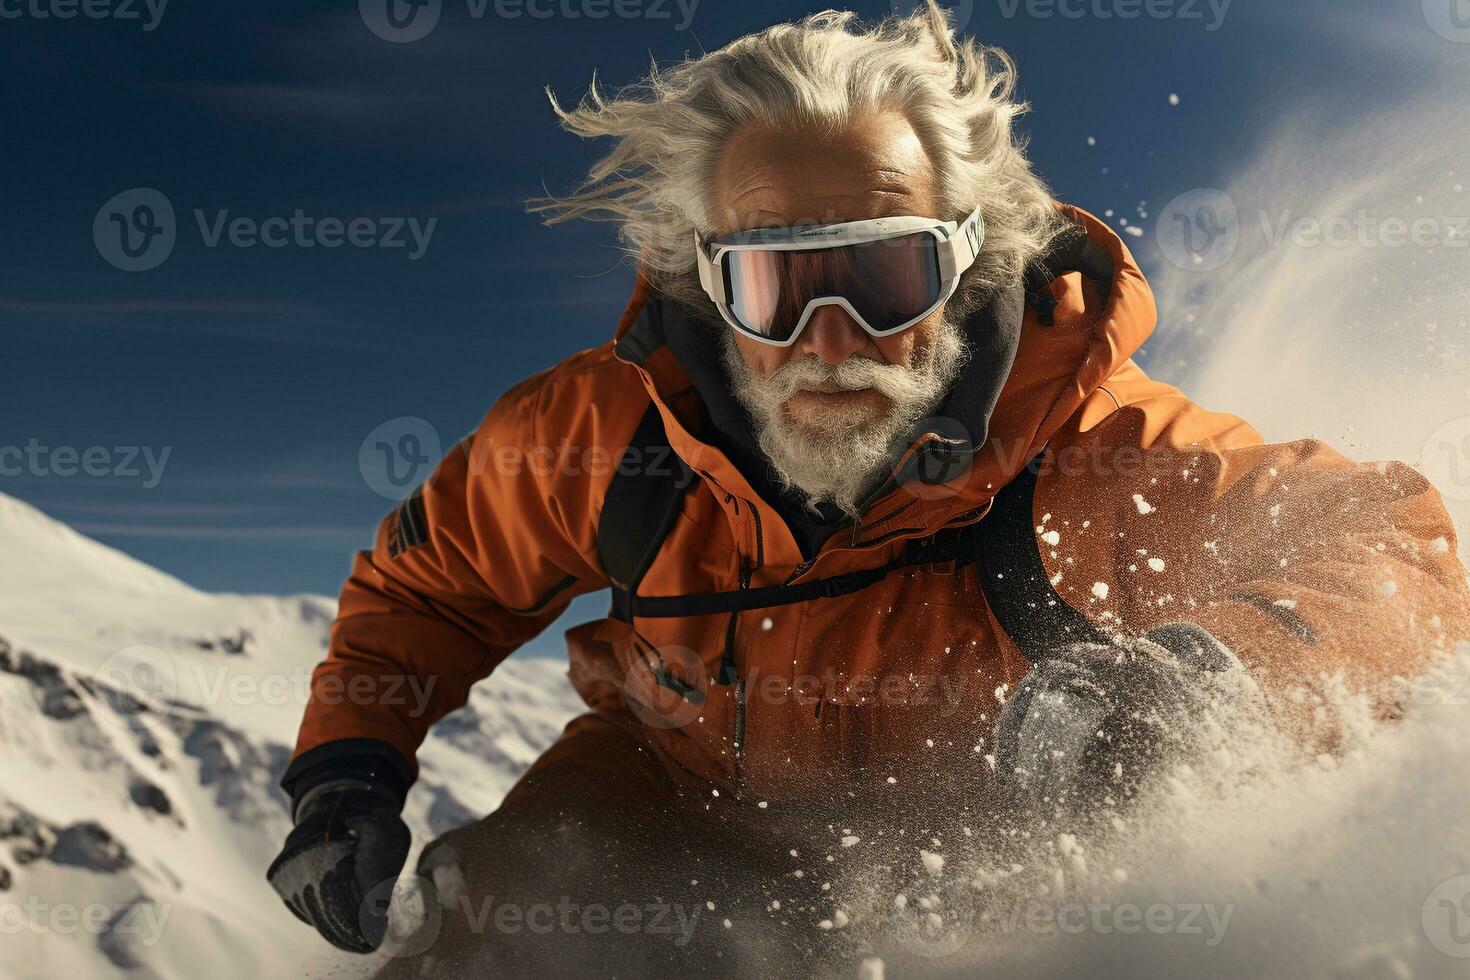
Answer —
(960, 426)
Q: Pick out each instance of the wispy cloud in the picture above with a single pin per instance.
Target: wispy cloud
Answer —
(309, 534)
(152, 307)
(146, 511)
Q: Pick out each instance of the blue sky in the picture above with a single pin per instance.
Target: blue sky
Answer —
(260, 371)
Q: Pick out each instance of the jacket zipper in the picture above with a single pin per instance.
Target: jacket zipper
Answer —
(728, 672)
(739, 730)
(730, 675)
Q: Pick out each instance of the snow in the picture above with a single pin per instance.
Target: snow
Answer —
(1286, 862)
(185, 793)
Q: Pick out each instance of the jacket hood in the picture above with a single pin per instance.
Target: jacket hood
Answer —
(1038, 351)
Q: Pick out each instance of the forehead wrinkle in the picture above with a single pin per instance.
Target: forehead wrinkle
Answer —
(755, 178)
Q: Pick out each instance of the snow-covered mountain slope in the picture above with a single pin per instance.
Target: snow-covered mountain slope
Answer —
(143, 727)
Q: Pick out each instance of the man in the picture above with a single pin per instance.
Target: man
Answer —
(867, 455)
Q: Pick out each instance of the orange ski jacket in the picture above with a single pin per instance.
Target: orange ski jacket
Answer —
(1148, 510)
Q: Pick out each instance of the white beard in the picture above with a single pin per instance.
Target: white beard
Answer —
(835, 457)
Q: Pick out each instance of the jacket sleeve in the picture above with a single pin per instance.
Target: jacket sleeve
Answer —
(1313, 568)
(1322, 567)
(479, 560)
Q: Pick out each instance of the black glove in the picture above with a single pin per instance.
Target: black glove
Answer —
(1092, 721)
(348, 840)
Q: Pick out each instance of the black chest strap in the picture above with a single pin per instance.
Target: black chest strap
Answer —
(642, 503)
(1020, 595)
(644, 500)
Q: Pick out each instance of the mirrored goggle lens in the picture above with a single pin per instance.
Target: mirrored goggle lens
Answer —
(888, 282)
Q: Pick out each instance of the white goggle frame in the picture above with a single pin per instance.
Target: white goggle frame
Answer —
(959, 244)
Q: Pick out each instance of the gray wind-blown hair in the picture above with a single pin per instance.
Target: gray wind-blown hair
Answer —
(815, 74)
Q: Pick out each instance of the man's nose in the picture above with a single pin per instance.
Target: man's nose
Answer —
(833, 335)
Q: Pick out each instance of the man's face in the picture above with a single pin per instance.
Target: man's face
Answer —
(829, 409)
(768, 179)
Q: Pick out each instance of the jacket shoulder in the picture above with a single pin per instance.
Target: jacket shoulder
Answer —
(1133, 410)
(589, 399)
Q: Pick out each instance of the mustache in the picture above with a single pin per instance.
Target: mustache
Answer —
(857, 373)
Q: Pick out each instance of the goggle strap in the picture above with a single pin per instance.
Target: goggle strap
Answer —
(968, 240)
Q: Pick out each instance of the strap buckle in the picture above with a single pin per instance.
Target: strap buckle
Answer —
(839, 585)
(943, 551)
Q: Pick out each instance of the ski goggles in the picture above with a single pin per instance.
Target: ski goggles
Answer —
(887, 273)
